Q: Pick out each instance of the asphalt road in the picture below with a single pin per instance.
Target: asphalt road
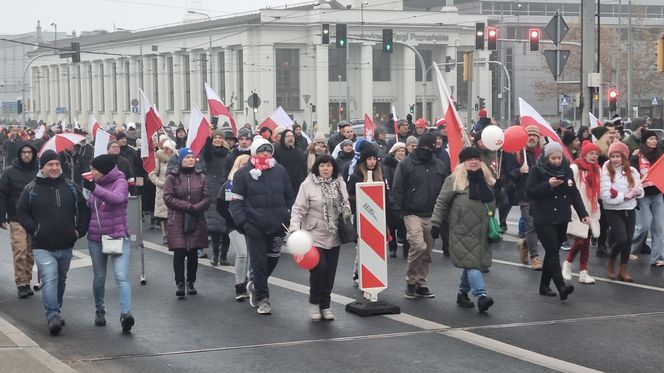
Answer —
(609, 326)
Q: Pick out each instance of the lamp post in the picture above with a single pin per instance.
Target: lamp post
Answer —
(209, 67)
(55, 43)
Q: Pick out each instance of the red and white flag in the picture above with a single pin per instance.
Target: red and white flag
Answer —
(102, 138)
(94, 126)
(199, 130)
(369, 127)
(217, 107)
(530, 117)
(395, 120)
(278, 118)
(455, 130)
(40, 132)
(656, 175)
(594, 122)
(151, 122)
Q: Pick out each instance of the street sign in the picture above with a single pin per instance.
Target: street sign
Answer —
(565, 100)
(556, 59)
(134, 102)
(306, 99)
(552, 28)
(635, 109)
(253, 101)
(654, 101)
(61, 110)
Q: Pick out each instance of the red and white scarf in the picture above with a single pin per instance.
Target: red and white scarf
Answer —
(260, 164)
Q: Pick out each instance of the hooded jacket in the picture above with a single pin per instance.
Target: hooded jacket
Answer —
(293, 161)
(215, 164)
(108, 207)
(13, 180)
(417, 184)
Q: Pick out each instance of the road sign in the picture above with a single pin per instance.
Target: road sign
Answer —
(556, 59)
(253, 101)
(654, 101)
(556, 28)
(306, 99)
(61, 110)
(565, 100)
(134, 102)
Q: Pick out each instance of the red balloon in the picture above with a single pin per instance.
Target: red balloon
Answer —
(308, 260)
(516, 139)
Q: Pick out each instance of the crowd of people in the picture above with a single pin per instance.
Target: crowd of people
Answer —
(247, 192)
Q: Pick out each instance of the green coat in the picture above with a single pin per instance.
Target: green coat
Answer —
(469, 225)
(632, 143)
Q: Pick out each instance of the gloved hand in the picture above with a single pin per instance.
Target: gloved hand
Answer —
(89, 185)
(435, 232)
(614, 193)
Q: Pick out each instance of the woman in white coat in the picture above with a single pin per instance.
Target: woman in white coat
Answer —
(586, 177)
(158, 178)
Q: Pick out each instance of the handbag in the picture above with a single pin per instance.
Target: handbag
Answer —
(109, 245)
(347, 231)
(494, 232)
(189, 223)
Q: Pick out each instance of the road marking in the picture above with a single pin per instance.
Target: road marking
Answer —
(427, 325)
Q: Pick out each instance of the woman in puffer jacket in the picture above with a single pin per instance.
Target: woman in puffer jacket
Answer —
(108, 199)
(158, 178)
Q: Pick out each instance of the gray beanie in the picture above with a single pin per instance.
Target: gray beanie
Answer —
(552, 147)
(411, 140)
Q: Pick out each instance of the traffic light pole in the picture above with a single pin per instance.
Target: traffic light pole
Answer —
(25, 72)
(424, 76)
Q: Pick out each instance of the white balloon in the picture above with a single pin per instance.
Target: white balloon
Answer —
(493, 137)
(299, 242)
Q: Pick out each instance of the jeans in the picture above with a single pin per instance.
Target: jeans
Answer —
(239, 243)
(264, 251)
(53, 267)
(552, 237)
(522, 226)
(622, 223)
(179, 256)
(321, 278)
(472, 280)
(120, 265)
(650, 217)
(531, 235)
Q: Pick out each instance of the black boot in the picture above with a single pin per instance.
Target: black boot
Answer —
(191, 290)
(463, 301)
(225, 244)
(180, 289)
(214, 261)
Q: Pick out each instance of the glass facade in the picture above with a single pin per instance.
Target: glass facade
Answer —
(288, 78)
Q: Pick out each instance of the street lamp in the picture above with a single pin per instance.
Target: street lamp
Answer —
(210, 42)
(56, 36)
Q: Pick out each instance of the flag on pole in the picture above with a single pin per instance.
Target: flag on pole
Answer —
(94, 126)
(455, 130)
(530, 117)
(656, 175)
(395, 121)
(594, 122)
(218, 108)
(150, 124)
(102, 138)
(77, 125)
(40, 132)
(278, 118)
(199, 130)
(369, 127)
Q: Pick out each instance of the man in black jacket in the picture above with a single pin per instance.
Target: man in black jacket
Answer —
(292, 159)
(417, 183)
(13, 180)
(54, 212)
(345, 132)
(244, 140)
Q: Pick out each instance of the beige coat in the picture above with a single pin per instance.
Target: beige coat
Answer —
(307, 212)
(576, 227)
(158, 178)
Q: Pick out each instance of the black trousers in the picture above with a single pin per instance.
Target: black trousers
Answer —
(603, 227)
(622, 224)
(551, 236)
(321, 278)
(264, 250)
(220, 241)
(179, 256)
(396, 226)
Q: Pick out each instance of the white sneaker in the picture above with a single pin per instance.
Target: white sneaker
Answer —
(264, 307)
(327, 314)
(567, 270)
(585, 278)
(314, 312)
(253, 301)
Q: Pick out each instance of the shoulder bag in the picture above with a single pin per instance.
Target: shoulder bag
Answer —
(494, 232)
(109, 245)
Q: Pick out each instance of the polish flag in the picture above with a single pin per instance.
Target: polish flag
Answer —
(278, 118)
(94, 125)
(369, 127)
(40, 132)
(199, 130)
(455, 131)
(530, 117)
(102, 138)
(217, 107)
(151, 122)
(395, 120)
(594, 122)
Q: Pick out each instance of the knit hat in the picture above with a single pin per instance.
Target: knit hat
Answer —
(265, 129)
(637, 123)
(183, 153)
(120, 135)
(104, 163)
(217, 133)
(398, 145)
(421, 123)
(111, 143)
(427, 142)
(619, 147)
(599, 131)
(244, 132)
(345, 142)
(319, 138)
(533, 131)
(568, 138)
(647, 133)
(469, 152)
(441, 123)
(483, 113)
(551, 148)
(367, 153)
(163, 138)
(262, 144)
(170, 144)
(411, 140)
(46, 157)
(588, 147)
(278, 131)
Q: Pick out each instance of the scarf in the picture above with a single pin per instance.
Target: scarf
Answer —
(591, 178)
(550, 170)
(478, 188)
(333, 204)
(260, 164)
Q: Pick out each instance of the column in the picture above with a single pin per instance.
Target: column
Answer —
(52, 92)
(162, 78)
(178, 84)
(96, 92)
(108, 90)
(322, 96)
(196, 77)
(366, 81)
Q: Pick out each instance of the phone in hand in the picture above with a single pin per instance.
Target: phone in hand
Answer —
(560, 177)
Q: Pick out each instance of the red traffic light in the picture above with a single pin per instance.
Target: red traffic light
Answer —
(492, 38)
(492, 32)
(534, 33)
(534, 38)
(613, 93)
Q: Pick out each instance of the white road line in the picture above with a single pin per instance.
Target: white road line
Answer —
(420, 323)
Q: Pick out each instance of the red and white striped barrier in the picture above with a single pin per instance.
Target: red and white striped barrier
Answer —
(371, 232)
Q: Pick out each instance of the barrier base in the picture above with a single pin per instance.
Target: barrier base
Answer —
(364, 308)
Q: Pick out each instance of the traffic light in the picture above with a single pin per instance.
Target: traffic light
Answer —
(613, 99)
(534, 37)
(76, 54)
(482, 103)
(313, 108)
(412, 109)
(387, 40)
(491, 38)
(341, 36)
(479, 36)
(19, 106)
(325, 33)
(660, 54)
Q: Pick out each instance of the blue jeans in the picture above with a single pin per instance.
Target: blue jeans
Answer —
(120, 272)
(471, 279)
(239, 243)
(53, 267)
(650, 217)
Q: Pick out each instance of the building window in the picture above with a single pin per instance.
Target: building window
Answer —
(337, 112)
(171, 88)
(240, 80)
(187, 82)
(127, 87)
(155, 80)
(90, 91)
(114, 96)
(221, 67)
(204, 78)
(381, 113)
(381, 65)
(427, 56)
(102, 88)
(336, 62)
(288, 78)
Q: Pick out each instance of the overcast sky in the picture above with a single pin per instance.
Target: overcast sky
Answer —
(85, 15)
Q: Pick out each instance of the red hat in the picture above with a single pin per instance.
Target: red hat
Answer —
(421, 123)
(618, 147)
(483, 113)
(441, 123)
(588, 147)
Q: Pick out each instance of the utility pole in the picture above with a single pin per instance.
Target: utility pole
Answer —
(630, 50)
(587, 57)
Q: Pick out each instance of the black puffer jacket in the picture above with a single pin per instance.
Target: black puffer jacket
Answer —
(293, 161)
(417, 183)
(234, 153)
(12, 182)
(343, 159)
(215, 164)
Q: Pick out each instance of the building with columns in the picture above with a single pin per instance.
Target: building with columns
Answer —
(276, 53)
